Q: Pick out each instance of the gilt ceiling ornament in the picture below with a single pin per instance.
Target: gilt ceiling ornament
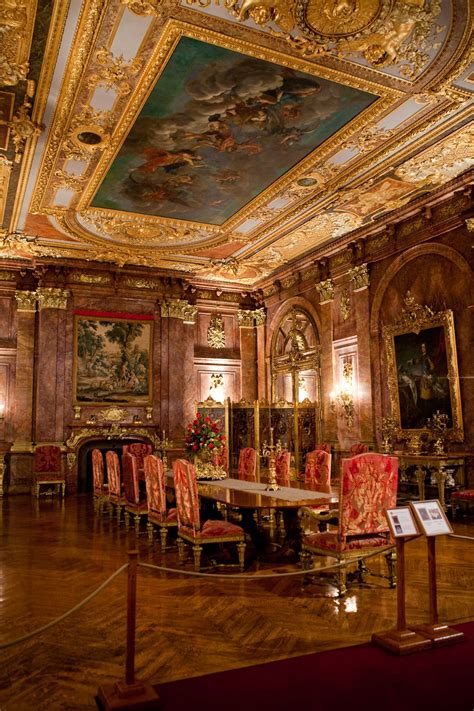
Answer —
(383, 32)
(16, 25)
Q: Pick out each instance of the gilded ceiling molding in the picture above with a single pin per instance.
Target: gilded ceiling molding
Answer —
(326, 291)
(5, 172)
(179, 308)
(385, 33)
(22, 127)
(17, 19)
(52, 298)
(144, 7)
(369, 139)
(114, 72)
(359, 277)
(26, 300)
(442, 161)
(141, 283)
(13, 244)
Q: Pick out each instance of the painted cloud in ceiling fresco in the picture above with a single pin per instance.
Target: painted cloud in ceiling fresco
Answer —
(217, 129)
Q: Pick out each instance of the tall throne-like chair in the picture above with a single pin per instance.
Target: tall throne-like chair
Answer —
(190, 528)
(48, 470)
(368, 487)
(247, 466)
(158, 513)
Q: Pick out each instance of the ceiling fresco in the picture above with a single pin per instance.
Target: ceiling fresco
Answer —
(224, 139)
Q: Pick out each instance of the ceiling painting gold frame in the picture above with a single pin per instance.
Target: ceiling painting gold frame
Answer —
(197, 236)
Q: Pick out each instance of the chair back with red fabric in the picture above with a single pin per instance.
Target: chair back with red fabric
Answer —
(221, 459)
(131, 487)
(317, 468)
(187, 498)
(323, 447)
(282, 467)
(139, 450)
(113, 474)
(368, 487)
(47, 463)
(247, 466)
(155, 484)
(97, 472)
(358, 448)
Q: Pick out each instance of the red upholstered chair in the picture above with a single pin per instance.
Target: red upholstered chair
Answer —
(323, 447)
(190, 527)
(317, 469)
(282, 467)
(247, 466)
(463, 496)
(99, 488)
(48, 470)
(221, 459)
(358, 448)
(140, 451)
(115, 493)
(136, 502)
(158, 514)
(368, 487)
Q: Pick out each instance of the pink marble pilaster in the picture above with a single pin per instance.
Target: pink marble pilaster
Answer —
(248, 359)
(327, 372)
(24, 380)
(366, 413)
(49, 413)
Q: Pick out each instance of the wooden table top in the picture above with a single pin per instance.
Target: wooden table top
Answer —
(230, 491)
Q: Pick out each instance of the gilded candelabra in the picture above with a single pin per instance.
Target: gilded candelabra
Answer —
(390, 431)
(272, 451)
(437, 425)
(164, 444)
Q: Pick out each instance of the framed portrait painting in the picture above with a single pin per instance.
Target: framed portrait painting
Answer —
(423, 375)
(112, 359)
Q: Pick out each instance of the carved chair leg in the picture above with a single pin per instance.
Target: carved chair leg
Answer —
(306, 560)
(341, 575)
(63, 489)
(391, 559)
(137, 524)
(163, 537)
(127, 520)
(149, 528)
(197, 550)
(362, 567)
(241, 552)
(181, 556)
(119, 514)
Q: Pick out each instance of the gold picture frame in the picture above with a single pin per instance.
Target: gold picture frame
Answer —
(112, 362)
(422, 368)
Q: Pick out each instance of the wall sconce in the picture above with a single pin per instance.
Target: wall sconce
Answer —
(342, 398)
(2, 410)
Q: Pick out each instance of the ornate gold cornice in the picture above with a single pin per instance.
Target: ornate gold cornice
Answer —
(326, 290)
(6, 275)
(84, 278)
(52, 298)
(26, 300)
(359, 277)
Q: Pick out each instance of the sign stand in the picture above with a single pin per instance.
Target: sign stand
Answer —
(401, 640)
(439, 633)
(433, 522)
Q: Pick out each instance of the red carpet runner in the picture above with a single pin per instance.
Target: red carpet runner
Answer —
(363, 677)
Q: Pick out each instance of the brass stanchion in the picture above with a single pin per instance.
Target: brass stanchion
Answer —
(401, 640)
(131, 694)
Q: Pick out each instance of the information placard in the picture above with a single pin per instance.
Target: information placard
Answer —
(431, 518)
(401, 522)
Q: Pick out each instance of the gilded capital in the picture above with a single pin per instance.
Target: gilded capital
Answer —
(470, 224)
(246, 318)
(52, 298)
(26, 300)
(359, 276)
(260, 317)
(179, 308)
(326, 290)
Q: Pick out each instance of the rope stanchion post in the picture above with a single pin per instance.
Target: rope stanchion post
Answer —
(131, 693)
(401, 640)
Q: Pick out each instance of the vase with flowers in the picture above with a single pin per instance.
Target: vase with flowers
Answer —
(204, 440)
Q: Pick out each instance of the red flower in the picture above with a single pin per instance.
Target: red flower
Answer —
(195, 447)
(210, 445)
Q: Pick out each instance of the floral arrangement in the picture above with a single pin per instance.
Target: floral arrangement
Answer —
(203, 433)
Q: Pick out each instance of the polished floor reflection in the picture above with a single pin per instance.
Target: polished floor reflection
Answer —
(54, 554)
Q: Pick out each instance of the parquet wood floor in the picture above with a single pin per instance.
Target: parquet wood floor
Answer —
(54, 554)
